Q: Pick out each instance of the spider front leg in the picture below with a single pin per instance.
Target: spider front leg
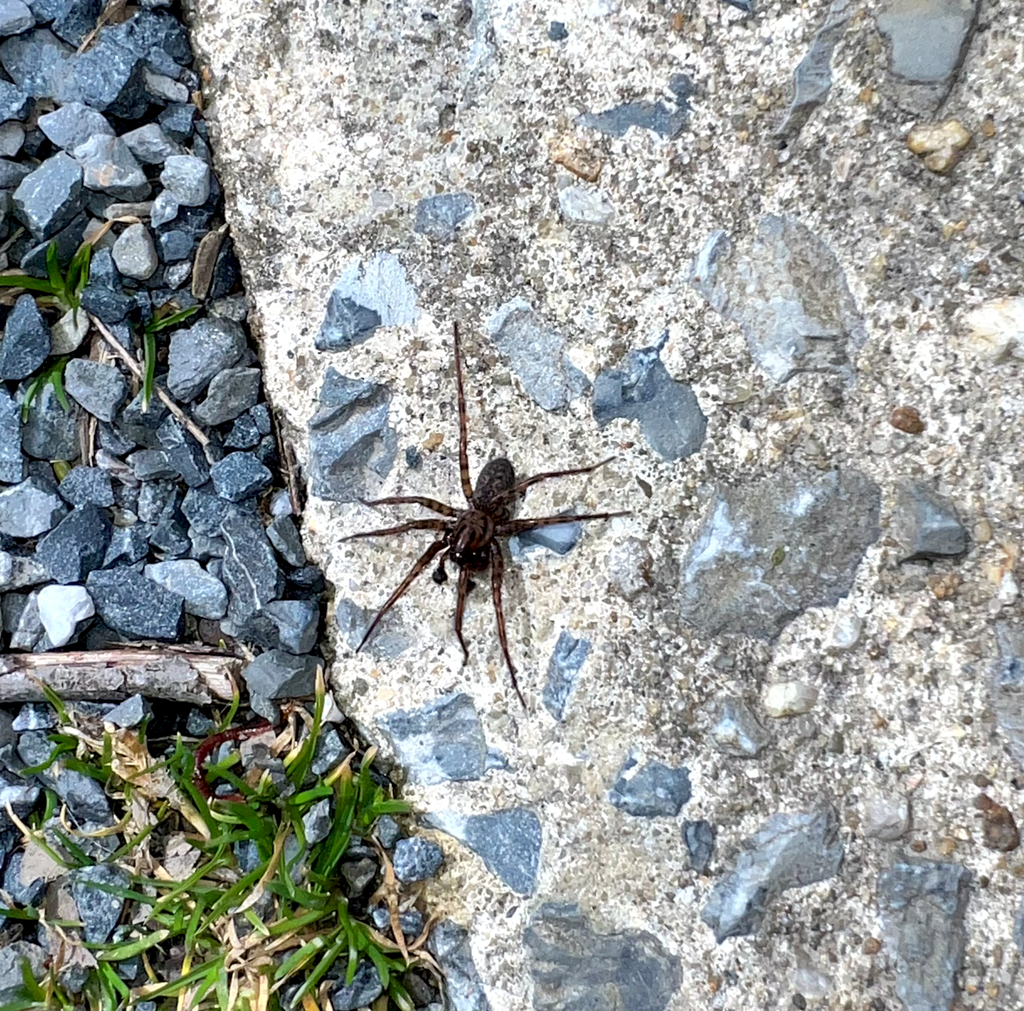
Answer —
(460, 610)
(497, 571)
(402, 528)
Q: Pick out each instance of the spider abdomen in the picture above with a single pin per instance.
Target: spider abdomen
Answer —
(496, 477)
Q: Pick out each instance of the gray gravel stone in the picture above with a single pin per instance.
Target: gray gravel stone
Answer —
(187, 179)
(127, 545)
(150, 145)
(788, 851)
(183, 452)
(73, 124)
(442, 741)
(464, 989)
(130, 713)
(51, 196)
(14, 103)
(75, 546)
(736, 731)
(416, 859)
(87, 486)
(35, 716)
(29, 509)
(364, 989)
(99, 389)
(560, 538)
(575, 967)
(317, 821)
(439, 217)
(239, 476)
(13, 956)
(135, 606)
(564, 667)
(278, 675)
(22, 621)
(652, 790)
(205, 596)
(250, 568)
(49, 433)
(507, 841)
(15, 18)
(23, 894)
(26, 340)
(103, 295)
(388, 831)
(926, 526)
(177, 120)
(1007, 689)
(229, 394)
(109, 167)
(99, 910)
(923, 905)
(199, 353)
(769, 549)
(669, 415)
(296, 622)
(12, 464)
(134, 253)
(285, 538)
(699, 837)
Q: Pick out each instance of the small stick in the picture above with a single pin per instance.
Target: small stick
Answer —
(136, 369)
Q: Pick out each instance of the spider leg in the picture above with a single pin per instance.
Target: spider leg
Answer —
(460, 609)
(467, 484)
(521, 526)
(519, 488)
(424, 560)
(497, 570)
(427, 503)
(401, 529)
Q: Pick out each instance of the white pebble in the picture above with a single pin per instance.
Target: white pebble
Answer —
(61, 608)
(789, 698)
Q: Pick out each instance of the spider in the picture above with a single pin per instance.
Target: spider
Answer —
(469, 537)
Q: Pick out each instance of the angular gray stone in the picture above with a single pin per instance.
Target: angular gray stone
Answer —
(364, 989)
(200, 352)
(178, 121)
(345, 323)
(127, 545)
(279, 675)
(769, 549)
(13, 956)
(576, 968)
(205, 596)
(129, 713)
(76, 546)
(317, 821)
(183, 451)
(736, 731)
(566, 661)
(1007, 688)
(442, 741)
(669, 415)
(30, 509)
(87, 486)
(923, 905)
(135, 606)
(657, 117)
(12, 463)
(652, 790)
(463, 987)
(699, 837)
(99, 909)
(788, 851)
(416, 859)
(134, 253)
(926, 526)
(35, 716)
(49, 433)
(239, 476)
(283, 534)
(187, 179)
(150, 145)
(439, 217)
(15, 18)
(51, 196)
(26, 340)
(297, 623)
(789, 295)
(73, 124)
(507, 841)
(250, 568)
(560, 538)
(23, 894)
(98, 388)
(229, 394)
(390, 638)
(109, 167)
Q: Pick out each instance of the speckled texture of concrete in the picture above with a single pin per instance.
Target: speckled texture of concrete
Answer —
(332, 120)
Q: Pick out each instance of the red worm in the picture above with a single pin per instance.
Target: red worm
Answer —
(215, 741)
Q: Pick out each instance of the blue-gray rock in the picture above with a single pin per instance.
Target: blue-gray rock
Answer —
(735, 729)
(359, 874)
(73, 124)
(83, 795)
(768, 549)
(30, 509)
(1007, 692)
(134, 253)
(926, 526)
(15, 18)
(12, 463)
(109, 167)
(229, 394)
(99, 909)
(788, 851)
(345, 323)
(178, 120)
(464, 989)
(575, 967)
(14, 103)
(135, 606)
(1018, 928)
(507, 841)
(18, 570)
(49, 433)
(416, 859)
(23, 894)
(22, 620)
(442, 741)
(923, 904)
(127, 545)
(205, 596)
(187, 179)
(787, 291)
(76, 546)
(99, 389)
(11, 173)
(699, 837)
(170, 534)
(158, 37)
(26, 340)
(150, 145)
(154, 498)
(111, 78)
(15, 957)
(205, 510)
(151, 465)
(279, 675)
(560, 538)
(364, 989)
(567, 659)
(183, 452)
(176, 245)
(129, 713)
(652, 790)
(284, 536)
(51, 196)
(67, 240)
(38, 62)
(103, 296)
(387, 830)
(657, 117)
(87, 486)
(349, 438)
(669, 415)
(72, 20)
(317, 821)
(200, 352)
(439, 217)
(165, 209)
(536, 353)
(557, 31)
(239, 476)
(296, 623)
(35, 716)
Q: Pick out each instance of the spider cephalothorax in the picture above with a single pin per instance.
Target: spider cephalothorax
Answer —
(469, 537)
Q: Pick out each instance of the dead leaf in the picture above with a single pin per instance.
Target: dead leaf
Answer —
(36, 863)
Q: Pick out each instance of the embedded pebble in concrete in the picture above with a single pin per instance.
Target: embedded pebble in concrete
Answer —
(441, 742)
(575, 966)
(651, 790)
(508, 842)
(450, 944)
(390, 638)
(588, 207)
(923, 905)
(669, 415)
(536, 354)
(884, 816)
(657, 117)
(439, 217)
(1007, 691)
(564, 667)
(560, 538)
(736, 731)
(788, 851)
(699, 837)
(926, 526)
(769, 549)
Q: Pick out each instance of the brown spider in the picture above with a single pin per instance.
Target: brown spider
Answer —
(469, 537)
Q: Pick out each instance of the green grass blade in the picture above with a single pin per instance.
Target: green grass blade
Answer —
(156, 325)
(121, 952)
(29, 283)
(149, 365)
(53, 267)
